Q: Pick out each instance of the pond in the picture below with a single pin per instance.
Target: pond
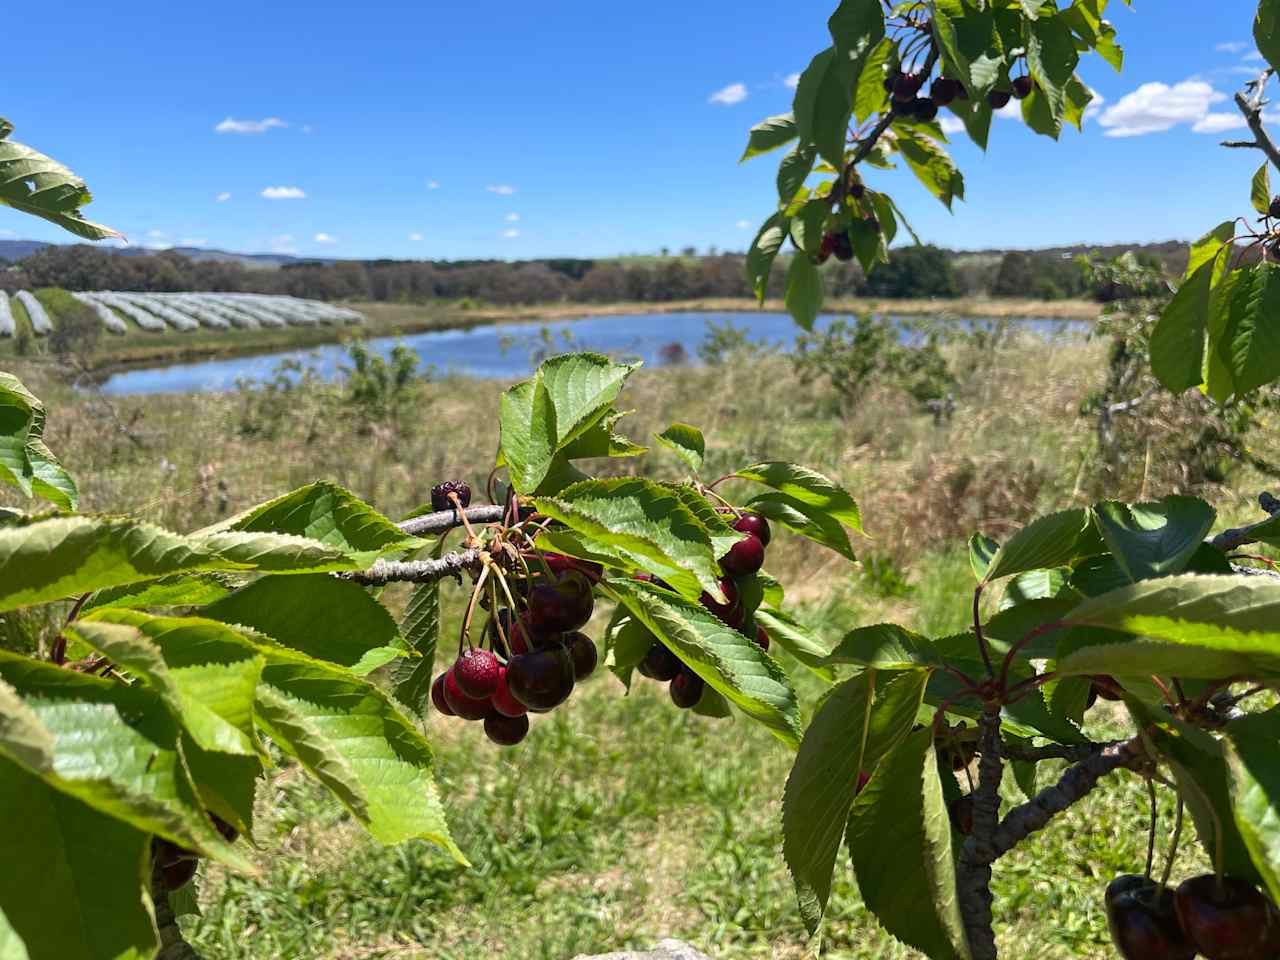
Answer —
(507, 351)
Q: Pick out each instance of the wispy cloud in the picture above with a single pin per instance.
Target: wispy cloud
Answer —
(283, 243)
(513, 218)
(222, 197)
(1218, 123)
(743, 224)
(433, 184)
(1254, 57)
(1157, 107)
(284, 193)
(501, 189)
(193, 242)
(1235, 46)
(792, 80)
(325, 238)
(511, 234)
(951, 125)
(231, 125)
(728, 96)
(415, 237)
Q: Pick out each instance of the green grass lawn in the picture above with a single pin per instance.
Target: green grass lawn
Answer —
(622, 820)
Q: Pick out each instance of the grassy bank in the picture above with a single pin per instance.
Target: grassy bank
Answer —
(138, 348)
(622, 820)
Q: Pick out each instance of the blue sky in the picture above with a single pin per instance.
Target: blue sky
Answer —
(460, 130)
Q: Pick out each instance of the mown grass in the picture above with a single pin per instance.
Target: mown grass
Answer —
(622, 820)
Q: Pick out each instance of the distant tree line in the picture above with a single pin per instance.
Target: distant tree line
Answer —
(912, 271)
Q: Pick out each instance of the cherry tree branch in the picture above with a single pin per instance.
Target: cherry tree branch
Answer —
(1251, 106)
(416, 571)
(173, 946)
(973, 873)
(1074, 752)
(448, 519)
(1229, 540)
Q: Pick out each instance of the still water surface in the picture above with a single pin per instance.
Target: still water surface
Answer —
(500, 350)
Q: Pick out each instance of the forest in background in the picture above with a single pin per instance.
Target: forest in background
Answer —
(912, 271)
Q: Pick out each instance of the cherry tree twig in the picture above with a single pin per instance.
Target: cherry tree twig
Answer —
(448, 519)
(1251, 106)
(173, 946)
(1229, 540)
(416, 571)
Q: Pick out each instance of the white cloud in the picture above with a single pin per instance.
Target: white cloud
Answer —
(231, 125)
(156, 234)
(511, 234)
(308, 128)
(792, 80)
(433, 184)
(1095, 105)
(222, 197)
(733, 93)
(193, 242)
(951, 125)
(501, 189)
(743, 224)
(1235, 46)
(415, 237)
(1218, 122)
(513, 218)
(7, 233)
(1156, 107)
(156, 240)
(283, 243)
(284, 193)
(1010, 111)
(325, 238)
(1254, 57)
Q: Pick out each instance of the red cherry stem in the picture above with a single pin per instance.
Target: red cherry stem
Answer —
(1173, 846)
(1030, 635)
(1020, 690)
(1151, 831)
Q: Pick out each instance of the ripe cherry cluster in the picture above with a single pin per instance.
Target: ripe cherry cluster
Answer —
(1221, 918)
(744, 559)
(904, 88)
(537, 652)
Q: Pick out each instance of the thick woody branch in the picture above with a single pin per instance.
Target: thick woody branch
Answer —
(1074, 752)
(416, 571)
(1228, 540)
(448, 519)
(1251, 106)
(973, 879)
(1076, 783)
(172, 944)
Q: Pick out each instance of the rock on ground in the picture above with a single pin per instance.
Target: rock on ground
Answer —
(665, 950)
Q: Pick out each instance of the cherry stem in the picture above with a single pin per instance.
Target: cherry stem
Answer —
(1173, 847)
(1030, 635)
(977, 631)
(1151, 832)
(465, 636)
(462, 514)
(1019, 690)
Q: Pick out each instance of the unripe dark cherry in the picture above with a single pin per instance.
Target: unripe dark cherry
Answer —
(476, 673)
(753, 523)
(744, 557)
(506, 731)
(686, 689)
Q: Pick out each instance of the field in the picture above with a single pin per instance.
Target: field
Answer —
(622, 820)
(97, 350)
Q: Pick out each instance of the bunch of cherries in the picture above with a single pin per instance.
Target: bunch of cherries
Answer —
(1225, 918)
(744, 559)
(536, 654)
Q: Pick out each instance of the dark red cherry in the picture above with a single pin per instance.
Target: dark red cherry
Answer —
(659, 663)
(1022, 87)
(999, 98)
(1142, 920)
(582, 650)
(437, 697)
(563, 605)
(1230, 920)
(961, 811)
(542, 679)
(440, 499)
(755, 524)
(502, 700)
(177, 864)
(730, 613)
(506, 731)
(476, 673)
(863, 779)
(686, 689)
(762, 638)
(468, 708)
(744, 557)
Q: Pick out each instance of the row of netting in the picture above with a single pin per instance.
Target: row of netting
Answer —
(184, 312)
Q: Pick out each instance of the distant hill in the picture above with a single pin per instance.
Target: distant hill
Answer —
(14, 250)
